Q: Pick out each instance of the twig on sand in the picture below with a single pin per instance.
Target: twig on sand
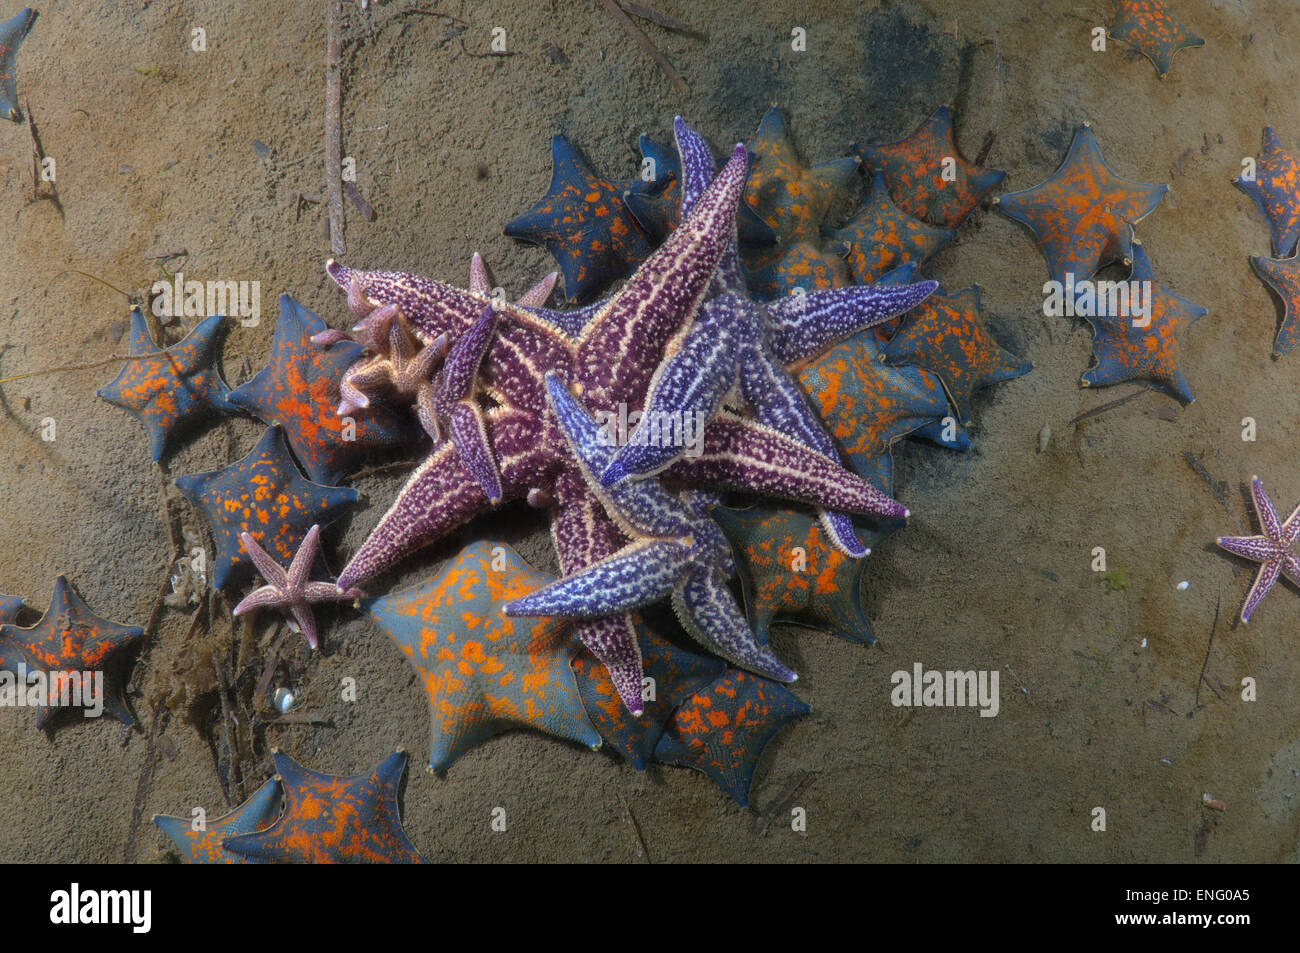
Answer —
(661, 19)
(1201, 678)
(634, 31)
(1107, 406)
(333, 135)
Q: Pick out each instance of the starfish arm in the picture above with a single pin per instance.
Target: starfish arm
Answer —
(261, 598)
(479, 282)
(1264, 580)
(1291, 568)
(618, 353)
(466, 356)
(1268, 520)
(1259, 548)
(431, 307)
(468, 431)
(536, 296)
(842, 534)
(271, 571)
(1291, 528)
(685, 391)
(742, 455)
(805, 325)
(697, 164)
(426, 410)
(423, 365)
(613, 641)
(303, 559)
(708, 611)
(570, 322)
(317, 591)
(306, 620)
(779, 403)
(640, 574)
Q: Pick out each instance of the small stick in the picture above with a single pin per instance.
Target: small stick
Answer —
(645, 43)
(662, 19)
(1105, 407)
(638, 842)
(333, 136)
(166, 255)
(1201, 678)
(359, 201)
(86, 274)
(70, 367)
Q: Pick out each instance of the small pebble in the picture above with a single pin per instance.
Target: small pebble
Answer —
(283, 700)
(261, 148)
(124, 170)
(1044, 438)
(1182, 586)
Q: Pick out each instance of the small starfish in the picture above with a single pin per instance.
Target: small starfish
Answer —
(672, 675)
(794, 199)
(72, 640)
(333, 820)
(1273, 550)
(723, 729)
(484, 672)
(10, 606)
(1275, 190)
(946, 336)
(583, 223)
(298, 389)
(1282, 275)
(203, 846)
(1083, 214)
(1127, 351)
(12, 34)
(170, 389)
(881, 237)
(1149, 27)
(266, 497)
(789, 570)
(928, 177)
(291, 592)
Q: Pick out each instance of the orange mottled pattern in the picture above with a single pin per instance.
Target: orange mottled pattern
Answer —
(801, 265)
(722, 729)
(1275, 190)
(1149, 27)
(1283, 276)
(482, 670)
(329, 819)
(264, 495)
(882, 237)
(205, 845)
(674, 675)
(1083, 215)
(945, 334)
(70, 639)
(922, 182)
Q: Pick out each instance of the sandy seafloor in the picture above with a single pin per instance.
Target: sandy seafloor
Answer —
(154, 153)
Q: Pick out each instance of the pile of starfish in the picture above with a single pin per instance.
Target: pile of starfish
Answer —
(1273, 183)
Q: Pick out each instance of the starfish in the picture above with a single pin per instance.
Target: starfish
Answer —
(657, 210)
(881, 237)
(71, 642)
(655, 305)
(793, 199)
(170, 389)
(1083, 215)
(1275, 190)
(676, 550)
(484, 672)
(333, 820)
(1282, 275)
(291, 592)
(734, 338)
(868, 405)
(1149, 27)
(1273, 550)
(1126, 351)
(928, 177)
(946, 335)
(264, 496)
(672, 675)
(583, 223)
(10, 606)
(298, 388)
(203, 846)
(12, 34)
(788, 569)
(723, 729)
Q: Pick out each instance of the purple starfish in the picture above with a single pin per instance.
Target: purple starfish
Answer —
(735, 337)
(610, 360)
(1273, 550)
(292, 592)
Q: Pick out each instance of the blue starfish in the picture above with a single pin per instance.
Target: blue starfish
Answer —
(299, 389)
(723, 729)
(204, 846)
(676, 550)
(733, 336)
(10, 606)
(12, 34)
(265, 496)
(1275, 190)
(169, 390)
